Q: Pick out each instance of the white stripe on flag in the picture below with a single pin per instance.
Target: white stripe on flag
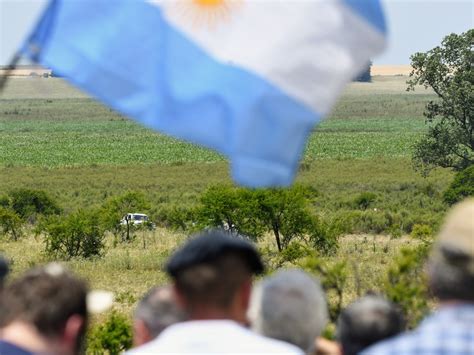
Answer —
(308, 48)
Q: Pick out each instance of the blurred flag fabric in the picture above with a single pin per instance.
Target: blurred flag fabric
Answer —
(248, 78)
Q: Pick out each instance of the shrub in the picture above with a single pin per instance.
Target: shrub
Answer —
(28, 203)
(291, 254)
(10, 223)
(461, 187)
(364, 200)
(324, 236)
(421, 231)
(333, 278)
(114, 336)
(177, 218)
(4, 201)
(405, 283)
(368, 221)
(77, 235)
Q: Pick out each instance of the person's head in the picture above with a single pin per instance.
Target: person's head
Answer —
(290, 306)
(49, 302)
(212, 275)
(3, 271)
(451, 264)
(156, 311)
(366, 321)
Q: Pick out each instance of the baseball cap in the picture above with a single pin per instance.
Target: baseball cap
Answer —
(208, 246)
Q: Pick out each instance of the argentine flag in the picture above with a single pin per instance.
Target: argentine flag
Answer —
(248, 78)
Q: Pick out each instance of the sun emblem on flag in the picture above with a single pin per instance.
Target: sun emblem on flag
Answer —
(207, 13)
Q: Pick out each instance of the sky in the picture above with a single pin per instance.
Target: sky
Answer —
(414, 25)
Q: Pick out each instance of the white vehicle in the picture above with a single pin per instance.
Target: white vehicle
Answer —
(136, 219)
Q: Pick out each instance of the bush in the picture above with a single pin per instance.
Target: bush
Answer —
(364, 200)
(421, 231)
(28, 203)
(177, 218)
(114, 336)
(77, 235)
(405, 283)
(10, 223)
(461, 187)
(324, 237)
(333, 278)
(368, 221)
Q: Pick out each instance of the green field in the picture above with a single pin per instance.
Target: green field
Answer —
(54, 138)
(57, 126)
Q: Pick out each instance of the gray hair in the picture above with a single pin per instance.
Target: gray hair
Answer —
(289, 306)
(366, 321)
(449, 282)
(158, 310)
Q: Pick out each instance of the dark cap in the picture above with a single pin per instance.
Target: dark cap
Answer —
(208, 246)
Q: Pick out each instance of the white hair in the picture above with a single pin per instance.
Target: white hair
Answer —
(290, 306)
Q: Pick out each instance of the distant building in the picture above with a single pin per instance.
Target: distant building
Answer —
(25, 71)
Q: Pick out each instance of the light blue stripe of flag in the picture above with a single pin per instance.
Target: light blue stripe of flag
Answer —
(125, 53)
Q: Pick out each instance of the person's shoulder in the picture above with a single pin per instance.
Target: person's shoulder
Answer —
(263, 344)
(405, 343)
(148, 348)
(223, 337)
(11, 349)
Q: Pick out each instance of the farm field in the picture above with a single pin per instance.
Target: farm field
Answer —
(55, 138)
(57, 126)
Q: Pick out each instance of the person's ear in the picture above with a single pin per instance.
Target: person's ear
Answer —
(178, 297)
(141, 334)
(73, 330)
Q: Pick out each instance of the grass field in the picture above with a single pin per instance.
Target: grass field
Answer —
(57, 126)
(54, 138)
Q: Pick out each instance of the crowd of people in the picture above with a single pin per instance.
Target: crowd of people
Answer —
(211, 307)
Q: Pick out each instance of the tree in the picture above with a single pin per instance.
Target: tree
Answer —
(366, 75)
(230, 208)
(10, 223)
(447, 69)
(461, 187)
(283, 212)
(28, 203)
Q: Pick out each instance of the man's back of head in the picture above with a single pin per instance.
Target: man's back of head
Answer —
(451, 264)
(290, 306)
(212, 275)
(156, 311)
(3, 270)
(367, 321)
(45, 311)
